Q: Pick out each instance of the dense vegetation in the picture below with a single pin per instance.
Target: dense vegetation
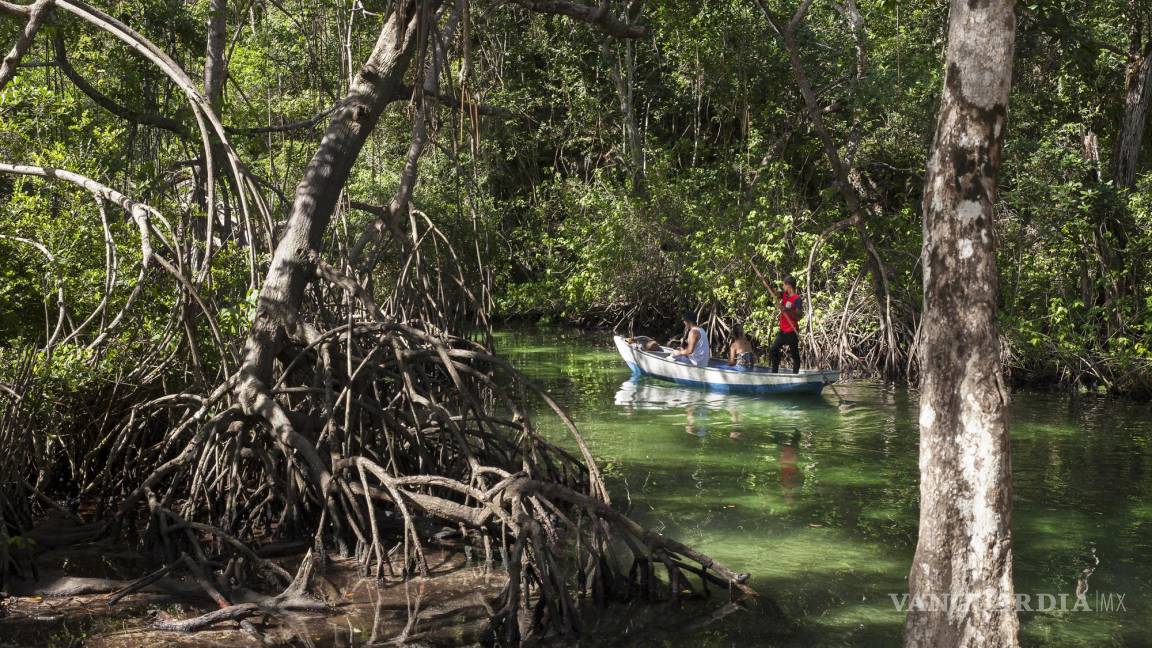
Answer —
(611, 181)
(250, 250)
(221, 369)
(731, 170)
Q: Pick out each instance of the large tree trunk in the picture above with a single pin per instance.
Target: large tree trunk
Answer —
(214, 65)
(961, 580)
(1137, 96)
(379, 82)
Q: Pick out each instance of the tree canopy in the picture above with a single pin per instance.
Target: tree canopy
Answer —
(606, 180)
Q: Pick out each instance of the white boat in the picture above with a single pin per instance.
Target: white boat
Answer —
(717, 376)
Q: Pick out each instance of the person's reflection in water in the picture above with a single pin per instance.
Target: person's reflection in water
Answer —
(737, 419)
(790, 476)
(697, 422)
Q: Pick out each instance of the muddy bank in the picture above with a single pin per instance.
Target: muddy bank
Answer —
(76, 600)
(73, 602)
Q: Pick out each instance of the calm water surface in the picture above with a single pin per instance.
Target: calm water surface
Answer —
(817, 497)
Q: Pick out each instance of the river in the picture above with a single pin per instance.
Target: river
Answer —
(817, 497)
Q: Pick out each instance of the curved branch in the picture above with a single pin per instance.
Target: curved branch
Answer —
(139, 211)
(37, 14)
(280, 128)
(105, 102)
(207, 122)
(13, 9)
(598, 17)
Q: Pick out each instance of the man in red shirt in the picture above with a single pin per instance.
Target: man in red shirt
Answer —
(791, 310)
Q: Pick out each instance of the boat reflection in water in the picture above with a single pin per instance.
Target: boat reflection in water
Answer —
(647, 394)
(781, 420)
(702, 407)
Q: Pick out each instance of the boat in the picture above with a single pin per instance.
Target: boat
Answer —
(718, 376)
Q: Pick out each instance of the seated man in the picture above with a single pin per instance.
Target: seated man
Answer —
(695, 350)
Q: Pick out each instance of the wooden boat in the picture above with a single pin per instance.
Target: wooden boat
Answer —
(718, 377)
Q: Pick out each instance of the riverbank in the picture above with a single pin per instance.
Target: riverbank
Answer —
(74, 602)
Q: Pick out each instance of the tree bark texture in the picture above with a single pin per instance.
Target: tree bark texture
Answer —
(215, 68)
(960, 586)
(1137, 96)
(37, 15)
(379, 81)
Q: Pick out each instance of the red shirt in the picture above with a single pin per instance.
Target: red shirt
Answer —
(788, 300)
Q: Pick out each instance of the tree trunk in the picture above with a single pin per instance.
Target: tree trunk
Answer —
(215, 69)
(379, 82)
(1137, 95)
(960, 586)
(623, 70)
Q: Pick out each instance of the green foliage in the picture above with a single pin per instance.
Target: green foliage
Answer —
(566, 217)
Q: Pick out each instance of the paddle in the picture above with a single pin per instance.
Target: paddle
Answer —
(776, 299)
(768, 285)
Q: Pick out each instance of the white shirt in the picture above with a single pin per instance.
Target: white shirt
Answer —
(701, 352)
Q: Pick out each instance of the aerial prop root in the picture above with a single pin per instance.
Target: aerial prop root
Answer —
(382, 459)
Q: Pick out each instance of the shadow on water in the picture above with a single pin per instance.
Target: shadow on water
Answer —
(817, 496)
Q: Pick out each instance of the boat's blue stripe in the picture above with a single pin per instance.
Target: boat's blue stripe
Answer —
(808, 387)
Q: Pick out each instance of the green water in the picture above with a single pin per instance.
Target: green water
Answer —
(817, 497)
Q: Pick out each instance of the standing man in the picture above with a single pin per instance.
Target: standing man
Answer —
(791, 310)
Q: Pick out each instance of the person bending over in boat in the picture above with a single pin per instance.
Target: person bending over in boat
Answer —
(740, 353)
(644, 343)
(695, 350)
(791, 310)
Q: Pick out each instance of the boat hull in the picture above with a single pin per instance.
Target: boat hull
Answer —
(713, 378)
